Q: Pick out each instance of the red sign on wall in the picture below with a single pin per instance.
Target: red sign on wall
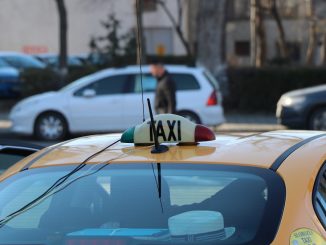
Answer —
(35, 49)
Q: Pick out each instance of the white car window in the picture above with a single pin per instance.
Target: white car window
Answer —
(149, 83)
(23, 62)
(182, 82)
(110, 85)
(185, 82)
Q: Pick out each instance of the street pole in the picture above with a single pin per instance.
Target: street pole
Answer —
(141, 53)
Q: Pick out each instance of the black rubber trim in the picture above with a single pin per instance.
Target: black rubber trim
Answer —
(278, 162)
(315, 190)
(27, 166)
(30, 163)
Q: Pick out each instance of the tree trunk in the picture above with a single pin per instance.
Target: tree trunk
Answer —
(282, 39)
(312, 33)
(63, 28)
(261, 36)
(211, 23)
(253, 33)
(224, 34)
(324, 50)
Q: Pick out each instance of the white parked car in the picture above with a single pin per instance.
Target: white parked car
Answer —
(110, 100)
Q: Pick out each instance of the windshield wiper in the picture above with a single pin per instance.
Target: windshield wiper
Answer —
(56, 184)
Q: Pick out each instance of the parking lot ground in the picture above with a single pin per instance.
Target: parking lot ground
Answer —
(239, 124)
(236, 122)
(5, 124)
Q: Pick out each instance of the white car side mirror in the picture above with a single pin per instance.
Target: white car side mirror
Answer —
(88, 93)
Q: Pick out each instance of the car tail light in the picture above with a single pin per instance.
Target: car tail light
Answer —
(212, 99)
(84, 241)
(203, 133)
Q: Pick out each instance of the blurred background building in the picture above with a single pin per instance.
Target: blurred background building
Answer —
(176, 27)
(32, 26)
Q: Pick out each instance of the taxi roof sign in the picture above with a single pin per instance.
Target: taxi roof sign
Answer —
(169, 128)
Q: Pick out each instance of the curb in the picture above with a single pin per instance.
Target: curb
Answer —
(248, 127)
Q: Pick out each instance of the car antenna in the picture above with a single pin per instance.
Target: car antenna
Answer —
(140, 54)
(157, 148)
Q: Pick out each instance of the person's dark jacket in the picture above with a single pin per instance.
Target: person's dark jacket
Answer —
(165, 96)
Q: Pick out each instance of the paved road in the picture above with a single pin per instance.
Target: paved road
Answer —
(236, 124)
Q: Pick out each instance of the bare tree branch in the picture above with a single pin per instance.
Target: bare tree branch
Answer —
(282, 39)
(180, 12)
(176, 26)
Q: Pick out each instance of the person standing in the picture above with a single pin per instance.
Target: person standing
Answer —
(165, 94)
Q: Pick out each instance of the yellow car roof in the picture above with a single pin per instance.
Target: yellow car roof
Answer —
(259, 150)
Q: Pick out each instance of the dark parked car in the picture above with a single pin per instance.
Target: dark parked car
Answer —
(52, 60)
(303, 108)
(11, 64)
(12, 151)
(9, 81)
(20, 61)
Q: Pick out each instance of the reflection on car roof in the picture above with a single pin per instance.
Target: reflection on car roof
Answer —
(259, 150)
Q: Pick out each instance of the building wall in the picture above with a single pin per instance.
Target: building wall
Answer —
(32, 26)
(296, 34)
(28, 23)
(296, 26)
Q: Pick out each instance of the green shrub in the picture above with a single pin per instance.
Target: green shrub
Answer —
(170, 59)
(258, 90)
(39, 80)
(125, 60)
(76, 72)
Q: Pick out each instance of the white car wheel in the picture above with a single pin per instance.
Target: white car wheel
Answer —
(51, 126)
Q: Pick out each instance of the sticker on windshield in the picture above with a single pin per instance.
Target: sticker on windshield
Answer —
(305, 236)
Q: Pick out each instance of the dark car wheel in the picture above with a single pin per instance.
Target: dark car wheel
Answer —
(190, 116)
(51, 126)
(317, 120)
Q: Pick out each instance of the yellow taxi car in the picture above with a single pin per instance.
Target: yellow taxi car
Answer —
(194, 187)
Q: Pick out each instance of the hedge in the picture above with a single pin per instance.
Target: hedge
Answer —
(37, 81)
(258, 90)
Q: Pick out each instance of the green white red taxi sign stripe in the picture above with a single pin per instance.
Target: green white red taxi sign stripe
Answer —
(169, 128)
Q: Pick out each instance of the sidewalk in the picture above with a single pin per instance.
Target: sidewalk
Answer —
(5, 124)
(249, 123)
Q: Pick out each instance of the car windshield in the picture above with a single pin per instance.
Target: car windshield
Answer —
(77, 83)
(120, 204)
(23, 61)
(54, 61)
(3, 64)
